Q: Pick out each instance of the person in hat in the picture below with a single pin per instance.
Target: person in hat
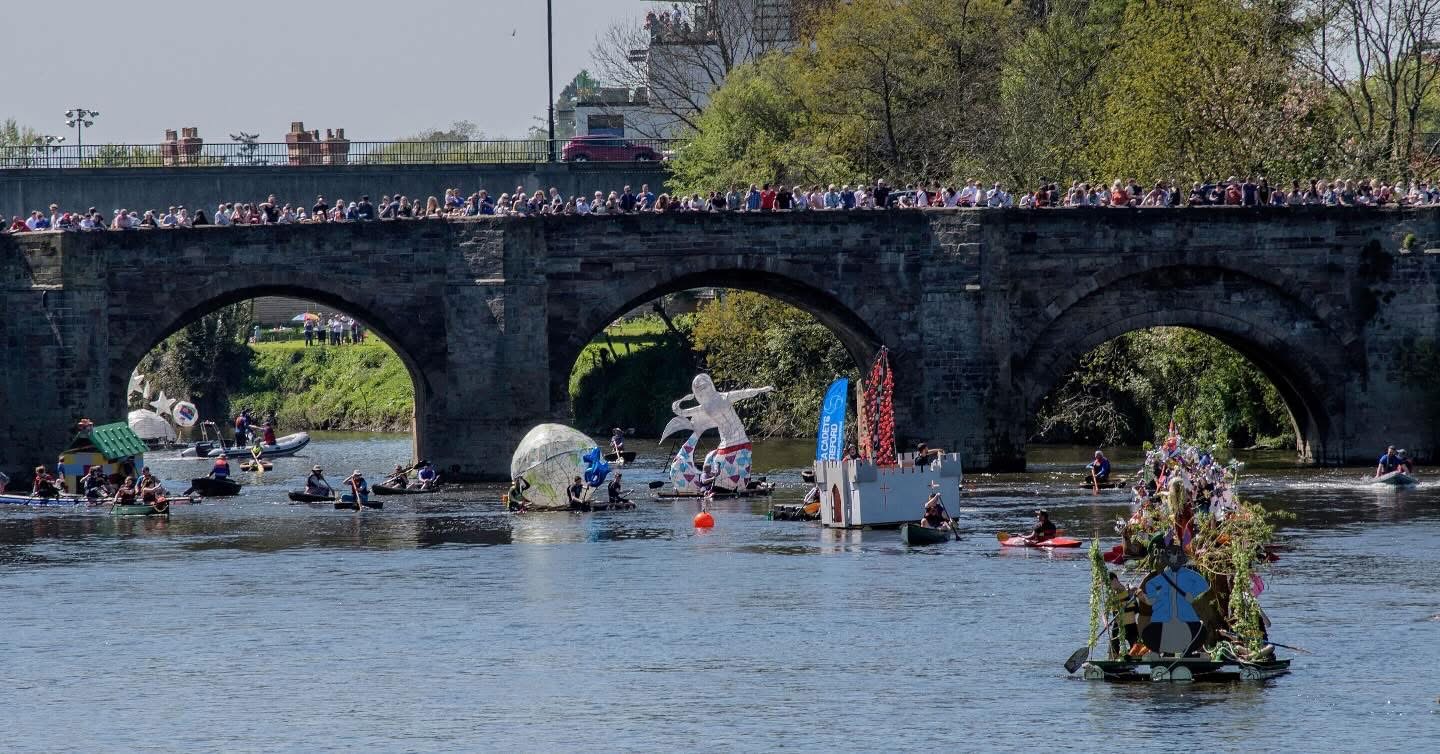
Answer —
(1407, 464)
(1044, 527)
(617, 443)
(221, 469)
(1389, 462)
(936, 517)
(428, 476)
(357, 484)
(316, 484)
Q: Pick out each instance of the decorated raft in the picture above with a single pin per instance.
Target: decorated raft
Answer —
(880, 488)
(1194, 614)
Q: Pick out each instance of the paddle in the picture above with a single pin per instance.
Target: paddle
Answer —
(390, 482)
(1082, 654)
(1094, 482)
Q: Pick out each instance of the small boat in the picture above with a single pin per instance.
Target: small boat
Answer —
(158, 508)
(347, 503)
(288, 445)
(33, 500)
(759, 489)
(349, 497)
(1108, 484)
(916, 535)
(1044, 543)
(795, 512)
(1396, 478)
(257, 466)
(381, 489)
(302, 497)
(628, 456)
(208, 487)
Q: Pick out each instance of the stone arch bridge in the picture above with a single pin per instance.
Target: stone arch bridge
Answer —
(983, 310)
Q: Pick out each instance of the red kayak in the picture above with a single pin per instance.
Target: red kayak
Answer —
(1045, 543)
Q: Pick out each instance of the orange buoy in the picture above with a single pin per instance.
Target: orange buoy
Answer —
(703, 520)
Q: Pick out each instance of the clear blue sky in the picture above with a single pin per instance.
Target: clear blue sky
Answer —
(379, 69)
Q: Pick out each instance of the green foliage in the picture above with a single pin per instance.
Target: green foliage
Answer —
(203, 360)
(634, 389)
(351, 387)
(752, 340)
(1127, 390)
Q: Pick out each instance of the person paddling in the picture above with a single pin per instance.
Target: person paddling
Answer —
(221, 469)
(127, 493)
(95, 485)
(150, 487)
(616, 493)
(316, 485)
(575, 494)
(936, 517)
(516, 501)
(398, 478)
(44, 484)
(1389, 462)
(1099, 469)
(617, 443)
(1044, 528)
(429, 477)
(358, 485)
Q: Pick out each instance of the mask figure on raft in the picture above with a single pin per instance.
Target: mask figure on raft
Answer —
(729, 464)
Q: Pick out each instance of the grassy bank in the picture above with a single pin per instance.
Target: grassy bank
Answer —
(353, 387)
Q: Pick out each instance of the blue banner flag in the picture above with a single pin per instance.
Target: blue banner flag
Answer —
(830, 442)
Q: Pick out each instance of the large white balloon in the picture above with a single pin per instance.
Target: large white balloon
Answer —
(549, 458)
(149, 425)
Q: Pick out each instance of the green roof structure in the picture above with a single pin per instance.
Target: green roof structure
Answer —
(114, 441)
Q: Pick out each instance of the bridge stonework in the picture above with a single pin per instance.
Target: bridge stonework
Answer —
(983, 311)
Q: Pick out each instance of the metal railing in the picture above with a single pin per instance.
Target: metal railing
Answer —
(338, 152)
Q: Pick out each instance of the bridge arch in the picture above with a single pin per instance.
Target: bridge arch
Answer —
(134, 333)
(1295, 346)
(577, 325)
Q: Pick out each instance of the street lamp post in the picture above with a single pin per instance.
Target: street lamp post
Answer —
(80, 119)
(47, 145)
(550, 76)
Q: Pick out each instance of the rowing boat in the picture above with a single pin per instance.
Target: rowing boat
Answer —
(381, 489)
(301, 497)
(916, 535)
(349, 504)
(143, 509)
(208, 487)
(1044, 543)
(1396, 478)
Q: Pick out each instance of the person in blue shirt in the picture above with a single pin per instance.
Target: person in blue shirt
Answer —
(1389, 462)
(647, 198)
(427, 475)
(1099, 469)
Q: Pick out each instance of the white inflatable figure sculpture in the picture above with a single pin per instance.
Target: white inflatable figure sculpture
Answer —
(729, 464)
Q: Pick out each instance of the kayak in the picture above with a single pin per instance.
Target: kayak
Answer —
(1395, 478)
(350, 504)
(381, 489)
(208, 487)
(916, 535)
(301, 497)
(1046, 543)
(628, 456)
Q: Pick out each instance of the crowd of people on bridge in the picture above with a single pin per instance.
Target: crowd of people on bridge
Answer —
(766, 197)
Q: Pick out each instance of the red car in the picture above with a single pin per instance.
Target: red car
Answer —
(607, 149)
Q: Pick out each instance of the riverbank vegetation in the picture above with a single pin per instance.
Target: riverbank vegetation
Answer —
(361, 387)
(1097, 90)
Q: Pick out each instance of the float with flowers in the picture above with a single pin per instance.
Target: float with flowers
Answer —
(1179, 597)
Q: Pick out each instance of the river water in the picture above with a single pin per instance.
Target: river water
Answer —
(444, 624)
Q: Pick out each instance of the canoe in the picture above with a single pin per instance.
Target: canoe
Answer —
(381, 489)
(63, 500)
(208, 487)
(301, 497)
(1395, 478)
(916, 535)
(144, 509)
(628, 455)
(1046, 544)
(285, 446)
(351, 505)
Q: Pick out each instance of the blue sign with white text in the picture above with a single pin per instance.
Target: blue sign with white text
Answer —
(830, 442)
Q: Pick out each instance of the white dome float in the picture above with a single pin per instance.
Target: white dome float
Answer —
(150, 426)
(549, 458)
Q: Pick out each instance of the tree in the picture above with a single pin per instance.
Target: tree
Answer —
(679, 60)
(1378, 59)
